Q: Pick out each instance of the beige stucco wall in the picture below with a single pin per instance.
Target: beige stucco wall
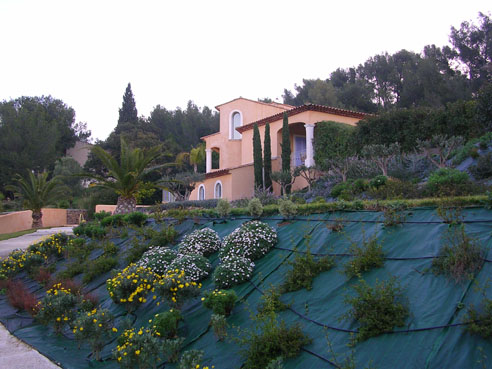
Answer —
(22, 220)
(107, 208)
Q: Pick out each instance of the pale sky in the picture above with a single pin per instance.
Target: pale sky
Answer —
(86, 52)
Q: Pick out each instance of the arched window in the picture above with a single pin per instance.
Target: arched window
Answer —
(236, 121)
(201, 192)
(218, 190)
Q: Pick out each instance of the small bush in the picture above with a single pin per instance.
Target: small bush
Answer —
(158, 259)
(378, 309)
(480, 320)
(166, 324)
(196, 267)
(203, 241)
(136, 251)
(116, 220)
(101, 215)
(232, 271)
(395, 189)
(220, 301)
(71, 270)
(304, 269)
(448, 182)
(255, 208)
(393, 215)
(342, 191)
(287, 208)
(223, 208)
(252, 240)
(191, 359)
(483, 168)
(57, 307)
(270, 302)
(450, 215)
(139, 348)
(172, 347)
(218, 323)
(164, 237)
(269, 340)
(460, 256)
(136, 218)
(95, 327)
(98, 267)
(20, 298)
(175, 288)
(43, 276)
(367, 256)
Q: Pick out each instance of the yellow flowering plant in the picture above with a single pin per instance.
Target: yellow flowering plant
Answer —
(138, 348)
(131, 286)
(175, 288)
(57, 307)
(220, 301)
(95, 327)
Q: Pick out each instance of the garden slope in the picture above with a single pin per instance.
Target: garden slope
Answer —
(434, 301)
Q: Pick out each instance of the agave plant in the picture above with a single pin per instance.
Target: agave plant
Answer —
(126, 176)
(37, 192)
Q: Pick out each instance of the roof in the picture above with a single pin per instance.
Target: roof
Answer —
(301, 109)
(216, 173)
(274, 104)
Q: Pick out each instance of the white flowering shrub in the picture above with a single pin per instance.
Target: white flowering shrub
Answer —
(232, 271)
(157, 259)
(196, 267)
(202, 241)
(252, 240)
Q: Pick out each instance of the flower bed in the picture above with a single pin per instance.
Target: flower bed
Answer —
(232, 271)
(158, 259)
(195, 267)
(202, 241)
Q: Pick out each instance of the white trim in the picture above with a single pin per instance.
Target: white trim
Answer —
(221, 190)
(199, 188)
(231, 125)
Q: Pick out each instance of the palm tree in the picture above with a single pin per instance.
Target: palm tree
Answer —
(125, 177)
(194, 157)
(37, 192)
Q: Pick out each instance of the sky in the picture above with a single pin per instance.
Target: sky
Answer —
(86, 52)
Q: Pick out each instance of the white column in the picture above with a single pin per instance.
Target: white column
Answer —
(309, 145)
(208, 160)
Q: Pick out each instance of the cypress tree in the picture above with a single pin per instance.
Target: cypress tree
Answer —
(286, 147)
(128, 111)
(267, 157)
(258, 165)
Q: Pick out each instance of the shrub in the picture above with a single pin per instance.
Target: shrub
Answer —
(71, 270)
(270, 302)
(220, 301)
(393, 215)
(223, 208)
(448, 181)
(57, 307)
(218, 323)
(252, 240)
(136, 218)
(480, 320)
(163, 237)
(131, 286)
(136, 251)
(395, 189)
(20, 298)
(269, 340)
(166, 324)
(304, 269)
(342, 190)
(101, 215)
(43, 276)
(116, 220)
(172, 347)
(157, 259)
(367, 256)
(99, 266)
(191, 359)
(232, 271)
(287, 208)
(203, 241)
(54, 245)
(95, 327)
(378, 181)
(77, 248)
(174, 288)
(196, 267)
(138, 349)
(483, 168)
(255, 208)
(460, 256)
(378, 309)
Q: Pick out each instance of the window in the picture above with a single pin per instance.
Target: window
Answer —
(236, 121)
(167, 196)
(201, 192)
(218, 190)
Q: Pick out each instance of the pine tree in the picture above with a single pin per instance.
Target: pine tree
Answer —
(286, 147)
(258, 165)
(267, 157)
(128, 111)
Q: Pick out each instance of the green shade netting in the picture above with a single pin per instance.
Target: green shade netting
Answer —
(430, 339)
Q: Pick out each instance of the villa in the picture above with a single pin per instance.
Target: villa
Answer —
(234, 177)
